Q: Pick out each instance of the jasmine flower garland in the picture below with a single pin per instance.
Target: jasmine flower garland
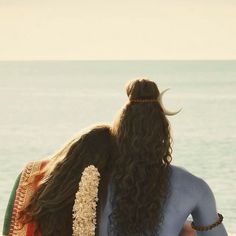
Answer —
(84, 209)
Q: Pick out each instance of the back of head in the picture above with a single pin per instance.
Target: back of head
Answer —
(141, 172)
(51, 205)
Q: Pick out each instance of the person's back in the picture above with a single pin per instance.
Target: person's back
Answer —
(189, 195)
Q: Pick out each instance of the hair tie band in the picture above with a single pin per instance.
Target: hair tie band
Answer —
(158, 100)
(143, 100)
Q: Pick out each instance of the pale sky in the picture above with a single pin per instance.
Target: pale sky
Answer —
(117, 29)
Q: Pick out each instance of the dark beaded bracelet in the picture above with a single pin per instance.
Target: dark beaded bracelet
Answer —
(203, 228)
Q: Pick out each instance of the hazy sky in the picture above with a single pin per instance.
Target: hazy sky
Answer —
(121, 29)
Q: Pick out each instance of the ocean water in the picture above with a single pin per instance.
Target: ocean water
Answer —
(44, 103)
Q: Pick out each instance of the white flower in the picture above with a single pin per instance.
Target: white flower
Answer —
(84, 209)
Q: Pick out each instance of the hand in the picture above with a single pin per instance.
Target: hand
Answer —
(187, 230)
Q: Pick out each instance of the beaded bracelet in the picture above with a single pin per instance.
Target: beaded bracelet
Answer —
(203, 228)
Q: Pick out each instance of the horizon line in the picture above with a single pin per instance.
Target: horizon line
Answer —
(103, 60)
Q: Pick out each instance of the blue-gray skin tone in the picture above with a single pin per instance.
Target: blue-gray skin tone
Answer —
(189, 195)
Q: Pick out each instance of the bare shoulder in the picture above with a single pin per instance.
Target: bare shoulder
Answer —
(183, 178)
(185, 174)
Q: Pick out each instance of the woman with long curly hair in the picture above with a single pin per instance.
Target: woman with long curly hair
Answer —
(130, 188)
(42, 200)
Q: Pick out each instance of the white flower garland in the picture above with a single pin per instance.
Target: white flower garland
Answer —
(84, 209)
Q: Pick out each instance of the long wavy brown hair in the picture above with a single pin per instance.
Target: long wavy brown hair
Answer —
(141, 172)
(51, 205)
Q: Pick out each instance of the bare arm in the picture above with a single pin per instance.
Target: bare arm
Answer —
(205, 212)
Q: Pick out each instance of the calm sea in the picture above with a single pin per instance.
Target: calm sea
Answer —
(44, 103)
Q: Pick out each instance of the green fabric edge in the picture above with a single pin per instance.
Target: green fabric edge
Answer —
(8, 213)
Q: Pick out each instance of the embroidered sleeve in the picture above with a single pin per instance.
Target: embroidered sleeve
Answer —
(9, 210)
